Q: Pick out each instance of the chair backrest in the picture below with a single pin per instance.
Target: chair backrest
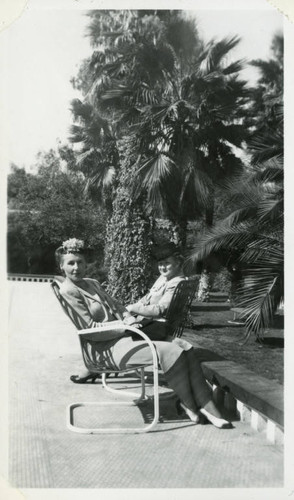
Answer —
(176, 314)
(180, 306)
(67, 308)
(89, 353)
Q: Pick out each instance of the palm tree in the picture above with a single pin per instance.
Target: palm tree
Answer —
(149, 70)
(252, 235)
(115, 35)
(186, 140)
(97, 156)
(151, 77)
(252, 238)
(109, 82)
(186, 114)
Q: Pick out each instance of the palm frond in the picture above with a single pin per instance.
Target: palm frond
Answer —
(216, 51)
(234, 67)
(156, 169)
(88, 155)
(266, 148)
(151, 176)
(261, 295)
(103, 178)
(260, 313)
(241, 214)
(116, 93)
(77, 134)
(264, 250)
(272, 171)
(202, 186)
(196, 184)
(81, 109)
(271, 210)
(269, 70)
(222, 236)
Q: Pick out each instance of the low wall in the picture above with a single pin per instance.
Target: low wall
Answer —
(30, 277)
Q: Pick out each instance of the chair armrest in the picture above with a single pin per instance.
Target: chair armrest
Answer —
(118, 326)
(104, 327)
(148, 341)
(104, 332)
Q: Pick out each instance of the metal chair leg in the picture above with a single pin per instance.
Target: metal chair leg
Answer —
(119, 392)
(70, 409)
(137, 430)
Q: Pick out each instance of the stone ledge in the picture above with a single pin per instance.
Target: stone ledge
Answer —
(259, 393)
(210, 306)
(253, 398)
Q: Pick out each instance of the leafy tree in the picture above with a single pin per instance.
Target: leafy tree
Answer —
(49, 207)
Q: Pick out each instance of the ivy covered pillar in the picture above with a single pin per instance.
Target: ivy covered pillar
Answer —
(129, 236)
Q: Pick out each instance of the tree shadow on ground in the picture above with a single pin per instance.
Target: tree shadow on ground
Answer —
(167, 409)
(211, 326)
(271, 342)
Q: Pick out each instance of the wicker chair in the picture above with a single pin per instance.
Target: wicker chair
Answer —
(92, 364)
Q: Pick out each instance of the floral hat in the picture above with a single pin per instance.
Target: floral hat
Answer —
(73, 245)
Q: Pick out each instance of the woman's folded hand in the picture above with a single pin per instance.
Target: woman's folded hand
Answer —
(131, 320)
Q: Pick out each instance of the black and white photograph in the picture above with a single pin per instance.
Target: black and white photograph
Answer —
(144, 261)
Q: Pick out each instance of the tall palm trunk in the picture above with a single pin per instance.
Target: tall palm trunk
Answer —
(129, 232)
(206, 278)
(205, 286)
(179, 233)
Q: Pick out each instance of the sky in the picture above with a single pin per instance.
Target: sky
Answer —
(43, 49)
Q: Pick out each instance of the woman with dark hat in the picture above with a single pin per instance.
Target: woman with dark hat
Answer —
(182, 370)
(158, 299)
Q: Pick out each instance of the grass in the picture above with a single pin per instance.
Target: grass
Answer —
(212, 331)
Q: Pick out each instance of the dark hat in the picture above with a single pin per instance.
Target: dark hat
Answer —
(165, 250)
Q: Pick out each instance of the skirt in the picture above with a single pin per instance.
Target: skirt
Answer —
(127, 353)
(176, 359)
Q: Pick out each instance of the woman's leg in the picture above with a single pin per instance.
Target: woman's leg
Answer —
(183, 373)
(202, 394)
(200, 389)
(178, 379)
(172, 360)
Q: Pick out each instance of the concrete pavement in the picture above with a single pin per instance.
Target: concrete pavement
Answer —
(44, 352)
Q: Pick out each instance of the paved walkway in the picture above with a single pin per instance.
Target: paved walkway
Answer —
(44, 352)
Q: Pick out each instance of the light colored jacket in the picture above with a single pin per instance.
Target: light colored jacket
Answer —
(94, 305)
(156, 302)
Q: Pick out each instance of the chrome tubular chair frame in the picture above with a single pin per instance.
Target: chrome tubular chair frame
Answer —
(180, 306)
(90, 362)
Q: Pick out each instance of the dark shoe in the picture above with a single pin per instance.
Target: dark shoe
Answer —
(81, 380)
